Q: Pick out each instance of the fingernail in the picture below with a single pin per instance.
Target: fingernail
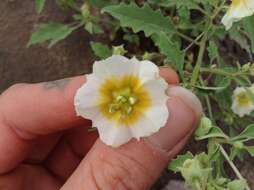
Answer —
(184, 112)
(187, 97)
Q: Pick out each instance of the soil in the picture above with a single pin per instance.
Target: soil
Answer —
(68, 58)
(37, 63)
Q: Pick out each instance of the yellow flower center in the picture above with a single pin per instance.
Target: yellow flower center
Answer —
(236, 3)
(123, 99)
(243, 99)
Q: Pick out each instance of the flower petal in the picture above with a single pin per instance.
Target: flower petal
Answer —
(94, 98)
(148, 71)
(111, 134)
(237, 11)
(157, 91)
(239, 109)
(116, 65)
(86, 98)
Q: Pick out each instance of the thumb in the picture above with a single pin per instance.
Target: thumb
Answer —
(136, 165)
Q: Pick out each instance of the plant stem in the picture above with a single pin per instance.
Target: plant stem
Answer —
(232, 165)
(185, 37)
(201, 52)
(194, 42)
(208, 102)
(222, 72)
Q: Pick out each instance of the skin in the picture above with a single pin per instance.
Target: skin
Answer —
(43, 144)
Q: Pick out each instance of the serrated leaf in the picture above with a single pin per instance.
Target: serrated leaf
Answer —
(170, 49)
(100, 50)
(140, 18)
(248, 133)
(52, 32)
(178, 162)
(248, 25)
(39, 5)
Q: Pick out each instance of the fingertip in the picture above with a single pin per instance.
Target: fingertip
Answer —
(185, 111)
(169, 75)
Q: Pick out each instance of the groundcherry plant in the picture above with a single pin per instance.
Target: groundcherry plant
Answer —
(210, 43)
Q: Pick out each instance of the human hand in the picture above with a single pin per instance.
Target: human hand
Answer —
(43, 145)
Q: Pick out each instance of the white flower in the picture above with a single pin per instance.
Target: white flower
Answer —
(124, 98)
(242, 101)
(238, 10)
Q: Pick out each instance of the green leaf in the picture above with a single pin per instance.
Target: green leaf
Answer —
(178, 162)
(170, 49)
(101, 3)
(141, 18)
(248, 25)
(235, 34)
(164, 3)
(210, 88)
(39, 5)
(100, 50)
(248, 133)
(212, 51)
(93, 28)
(66, 4)
(215, 132)
(52, 32)
(190, 4)
(250, 149)
(222, 81)
(237, 185)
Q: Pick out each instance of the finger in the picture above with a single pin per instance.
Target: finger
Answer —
(136, 165)
(31, 110)
(72, 148)
(29, 177)
(169, 75)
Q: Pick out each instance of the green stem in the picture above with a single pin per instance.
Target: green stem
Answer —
(185, 37)
(221, 72)
(201, 52)
(194, 42)
(232, 165)
(207, 99)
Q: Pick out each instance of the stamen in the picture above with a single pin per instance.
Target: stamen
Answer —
(123, 101)
(132, 100)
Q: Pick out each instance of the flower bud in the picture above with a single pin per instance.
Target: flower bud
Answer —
(85, 10)
(238, 144)
(196, 171)
(204, 127)
(119, 50)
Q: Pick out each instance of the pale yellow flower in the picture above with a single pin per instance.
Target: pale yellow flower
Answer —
(238, 10)
(124, 98)
(242, 101)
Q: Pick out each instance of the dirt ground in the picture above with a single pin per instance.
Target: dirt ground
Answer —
(69, 58)
(20, 64)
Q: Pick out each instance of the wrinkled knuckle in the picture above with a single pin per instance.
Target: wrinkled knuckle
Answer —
(121, 173)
